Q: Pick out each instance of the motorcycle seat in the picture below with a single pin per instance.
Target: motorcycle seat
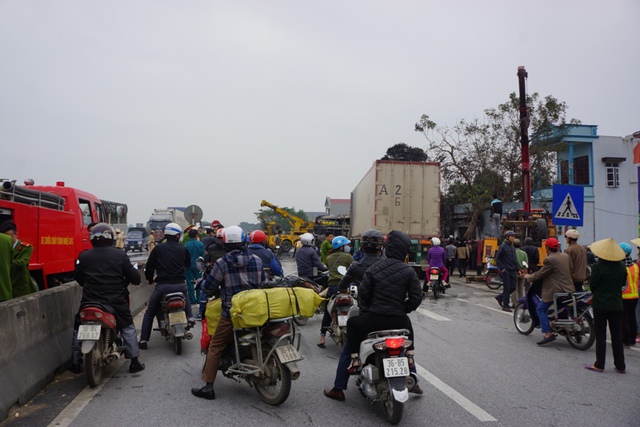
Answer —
(103, 307)
(388, 333)
(173, 295)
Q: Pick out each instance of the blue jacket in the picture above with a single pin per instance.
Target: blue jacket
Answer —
(267, 257)
(196, 249)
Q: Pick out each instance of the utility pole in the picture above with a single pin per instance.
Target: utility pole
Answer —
(524, 140)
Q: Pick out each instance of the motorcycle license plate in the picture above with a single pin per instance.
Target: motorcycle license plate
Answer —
(342, 321)
(288, 353)
(89, 333)
(395, 367)
(177, 317)
(433, 277)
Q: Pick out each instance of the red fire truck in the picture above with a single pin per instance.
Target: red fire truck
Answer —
(54, 220)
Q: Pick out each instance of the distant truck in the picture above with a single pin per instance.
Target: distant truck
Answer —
(54, 220)
(404, 196)
(161, 217)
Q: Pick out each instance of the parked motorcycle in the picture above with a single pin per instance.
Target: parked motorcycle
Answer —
(173, 322)
(385, 375)
(492, 276)
(265, 357)
(99, 340)
(569, 316)
(437, 285)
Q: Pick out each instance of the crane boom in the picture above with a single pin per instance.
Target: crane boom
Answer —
(298, 224)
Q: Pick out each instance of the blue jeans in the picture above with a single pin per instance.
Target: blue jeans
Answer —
(543, 314)
(153, 307)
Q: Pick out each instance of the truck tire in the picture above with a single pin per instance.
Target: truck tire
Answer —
(542, 230)
(286, 246)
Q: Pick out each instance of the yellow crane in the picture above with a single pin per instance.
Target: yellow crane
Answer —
(276, 235)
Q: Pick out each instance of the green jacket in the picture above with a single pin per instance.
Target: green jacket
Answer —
(6, 251)
(325, 248)
(20, 278)
(521, 256)
(607, 280)
(334, 261)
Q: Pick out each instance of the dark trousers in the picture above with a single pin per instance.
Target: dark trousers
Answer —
(629, 321)
(509, 282)
(614, 318)
(462, 266)
(451, 266)
(359, 326)
(153, 307)
(326, 319)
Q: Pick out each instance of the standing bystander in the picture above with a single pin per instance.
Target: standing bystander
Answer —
(578, 255)
(629, 299)
(507, 262)
(21, 281)
(496, 214)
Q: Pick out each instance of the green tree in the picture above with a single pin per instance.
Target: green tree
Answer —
(482, 157)
(403, 152)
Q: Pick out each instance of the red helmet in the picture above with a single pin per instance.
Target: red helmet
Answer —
(552, 243)
(257, 236)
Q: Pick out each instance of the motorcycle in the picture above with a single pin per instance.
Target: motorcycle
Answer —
(569, 316)
(173, 322)
(437, 286)
(265, 357)
(385, 375)
(492, 276)
(342, 306)
(99, 340)
(319, 284)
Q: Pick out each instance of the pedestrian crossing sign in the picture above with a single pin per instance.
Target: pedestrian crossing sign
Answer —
(568, 205)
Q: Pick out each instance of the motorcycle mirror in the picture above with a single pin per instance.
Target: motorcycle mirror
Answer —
(200, 263)
(135, 265)
(342, 270)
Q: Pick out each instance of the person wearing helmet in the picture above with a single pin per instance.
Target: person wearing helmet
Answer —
(338, 257)
(307, 259)
(237, 271)
(389, 290)
(437, 257)
(578, 255)
(629, 299)
(507, 262)
(556, 277)
(166, 267)
(104, 273)
(196, 250)
(533, 255)
(608, 278)
(258, 240)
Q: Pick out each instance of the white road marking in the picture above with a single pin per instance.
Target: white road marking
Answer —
(466, 404)
(432, 315)
(494, 309)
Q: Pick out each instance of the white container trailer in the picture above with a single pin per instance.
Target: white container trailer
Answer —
(397, 195)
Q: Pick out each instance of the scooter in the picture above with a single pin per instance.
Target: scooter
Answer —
(173, 322)
(568, 316)
(385, 375)
(437, 285)
(342, 306)
(99, 340)
(492, 276)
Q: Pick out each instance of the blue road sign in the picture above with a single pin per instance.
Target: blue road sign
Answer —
(568, 205)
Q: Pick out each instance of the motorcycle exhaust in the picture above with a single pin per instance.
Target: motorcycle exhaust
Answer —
(112, 357)
(188, 335)
(293, 368)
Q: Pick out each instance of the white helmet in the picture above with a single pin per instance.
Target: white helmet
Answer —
(172, 229)
(435, 242)
(233, 234)
(307, 239)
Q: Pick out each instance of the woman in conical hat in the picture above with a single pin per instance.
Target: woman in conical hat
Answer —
(608, 277)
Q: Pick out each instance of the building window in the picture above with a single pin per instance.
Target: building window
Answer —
(613, 180)
(581, 170)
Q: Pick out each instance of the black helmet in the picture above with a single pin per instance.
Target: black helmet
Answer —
(102, 234)
(372, 239)
(528, 241)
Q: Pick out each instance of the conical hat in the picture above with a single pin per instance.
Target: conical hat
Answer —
(607, 249)
(636, 241)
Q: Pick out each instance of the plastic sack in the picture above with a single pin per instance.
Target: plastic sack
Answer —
(212, 314)
(255, 307)
(205, 338)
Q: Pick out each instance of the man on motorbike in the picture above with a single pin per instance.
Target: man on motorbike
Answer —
(104, 273)
(556, 277)
(168, 262)
(307, 258)
(436, 257)
(257, 238)
(389, 290)
(237, 271)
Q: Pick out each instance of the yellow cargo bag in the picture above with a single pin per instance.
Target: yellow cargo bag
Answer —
(255, 307)
(213, 313)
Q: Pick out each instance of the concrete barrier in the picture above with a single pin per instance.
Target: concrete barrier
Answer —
(35, 338)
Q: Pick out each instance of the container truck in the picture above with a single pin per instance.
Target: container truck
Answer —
(396, 195)
(161, 217)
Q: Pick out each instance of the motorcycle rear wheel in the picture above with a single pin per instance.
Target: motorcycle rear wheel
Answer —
(274, 388)
(301, 321)
(585, 339)
(177, 341)
(522, 319)
(436, 290)
(493, 280)
(392, 409)
(93, 363)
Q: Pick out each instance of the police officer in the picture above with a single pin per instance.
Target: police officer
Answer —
(168, 263)
(104, 273)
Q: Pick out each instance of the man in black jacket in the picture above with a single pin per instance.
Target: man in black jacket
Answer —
(508, 264)
(389, 290)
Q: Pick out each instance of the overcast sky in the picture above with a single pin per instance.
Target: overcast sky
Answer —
(225, 103)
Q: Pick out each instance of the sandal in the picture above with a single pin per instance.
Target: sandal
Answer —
(354, 366)
(593, 368)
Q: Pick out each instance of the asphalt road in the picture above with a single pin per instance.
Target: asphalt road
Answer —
(475, 369)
